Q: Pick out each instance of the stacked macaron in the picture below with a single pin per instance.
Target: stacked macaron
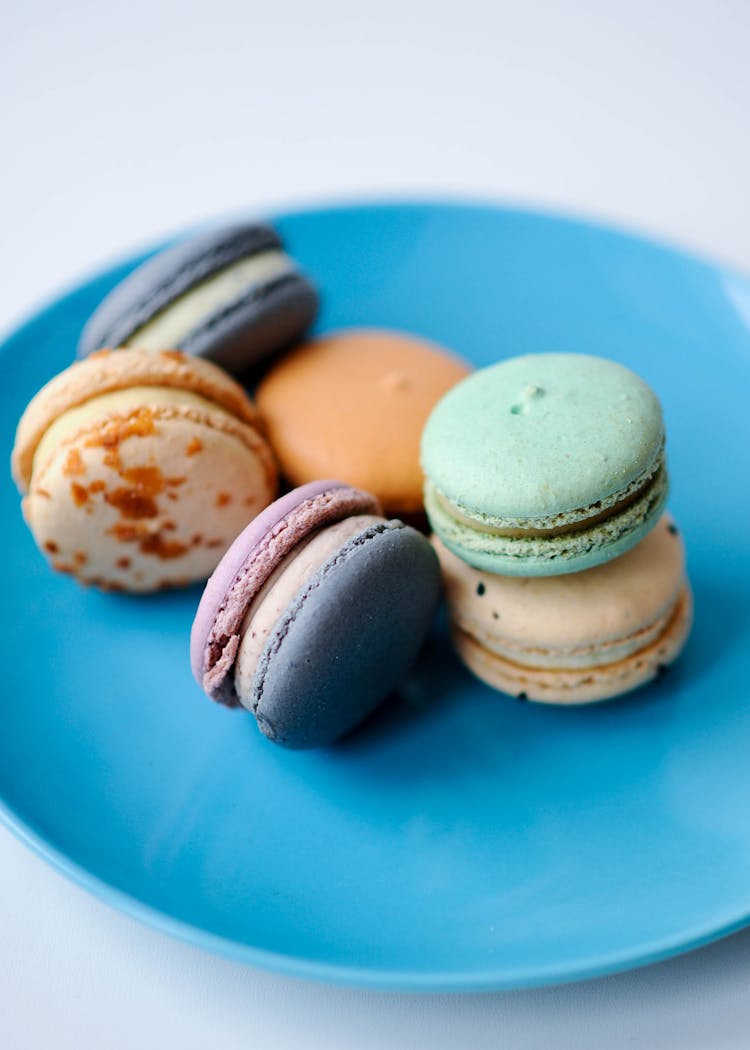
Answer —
(546, 484)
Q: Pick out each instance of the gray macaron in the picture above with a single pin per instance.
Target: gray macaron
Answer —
(315, 614)
(231, 294)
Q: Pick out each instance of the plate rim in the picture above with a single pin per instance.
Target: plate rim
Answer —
(358, 977)
(424, 981)
(477, 979)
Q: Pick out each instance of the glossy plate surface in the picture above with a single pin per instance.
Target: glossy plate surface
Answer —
(462, 839)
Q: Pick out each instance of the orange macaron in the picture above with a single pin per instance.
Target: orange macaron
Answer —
(352, 405)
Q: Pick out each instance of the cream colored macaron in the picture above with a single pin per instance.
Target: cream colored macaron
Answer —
(138, 469)
(576, 638)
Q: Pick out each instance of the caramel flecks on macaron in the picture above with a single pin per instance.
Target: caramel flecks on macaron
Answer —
(139, 468)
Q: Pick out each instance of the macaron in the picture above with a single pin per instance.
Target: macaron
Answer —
(578, 638)
(230, 294)
(139, 468)
(352, 405)
(545, 464)
(314, 614)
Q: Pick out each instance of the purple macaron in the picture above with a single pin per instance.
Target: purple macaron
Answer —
(314, 614)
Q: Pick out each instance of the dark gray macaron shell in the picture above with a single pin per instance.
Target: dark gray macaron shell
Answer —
(348, 637)
(265, 318)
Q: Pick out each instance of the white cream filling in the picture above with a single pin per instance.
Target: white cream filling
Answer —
(275, 596)
(120, 402)
(171, 325)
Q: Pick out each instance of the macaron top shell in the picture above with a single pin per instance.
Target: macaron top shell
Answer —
(106, 371)
(246, 566)
(540, 436)
(352, 404)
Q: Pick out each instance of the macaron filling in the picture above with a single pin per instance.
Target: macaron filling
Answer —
(170, 326)
(271, 602)
(119, 402)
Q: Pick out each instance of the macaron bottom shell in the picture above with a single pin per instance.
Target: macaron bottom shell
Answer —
(348, 637)
(579, 685)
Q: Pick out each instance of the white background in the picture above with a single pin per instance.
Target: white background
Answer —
(122, 122)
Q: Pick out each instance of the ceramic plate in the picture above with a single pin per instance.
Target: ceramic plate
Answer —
(462, 839)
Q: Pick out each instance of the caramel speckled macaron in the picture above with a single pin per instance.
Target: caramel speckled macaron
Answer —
(139, 468)
(352, 405)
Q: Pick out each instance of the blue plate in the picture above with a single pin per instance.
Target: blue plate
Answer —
(461, 840)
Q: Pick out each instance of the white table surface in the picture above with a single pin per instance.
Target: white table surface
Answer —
(122, 122)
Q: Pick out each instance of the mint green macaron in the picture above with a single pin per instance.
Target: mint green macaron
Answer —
(545, 464)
